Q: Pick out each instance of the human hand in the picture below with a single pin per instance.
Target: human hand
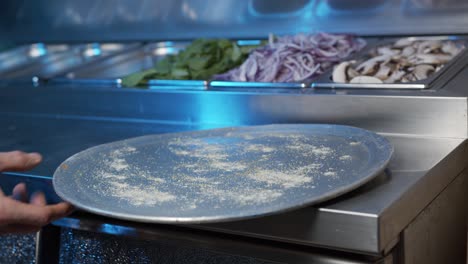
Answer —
(17, 214)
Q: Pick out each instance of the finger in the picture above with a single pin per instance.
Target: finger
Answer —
(38, 198)
(18, 161)
(59, 210)
(20, 192)
(30, 214)
(1, 193)
(15, 212)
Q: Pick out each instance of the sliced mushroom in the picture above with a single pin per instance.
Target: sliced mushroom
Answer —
(401, 43)
(405, 60)
(351, 73)
(385, 50)
(423, 71)
(410, 77)
(368, 67)
(365, 79)
(450, 48)
(383, 72)
(395, 76)
(429, 46)
(396, 58)
(432, 58)
(408, 51)
(339, 73)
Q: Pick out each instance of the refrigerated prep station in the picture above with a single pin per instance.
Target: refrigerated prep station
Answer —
(388, 76)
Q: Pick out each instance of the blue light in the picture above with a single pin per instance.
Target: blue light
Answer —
(249, 42)
(195, 84)
(117, 230)
(221, 84)
(97, 51)
(92, 50)
(218, 110)
(37, 50)
(167, 44)
(323, 10)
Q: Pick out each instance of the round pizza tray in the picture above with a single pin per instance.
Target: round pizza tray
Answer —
(222, 174)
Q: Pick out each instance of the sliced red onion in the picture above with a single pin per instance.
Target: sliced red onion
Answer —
(294, 58)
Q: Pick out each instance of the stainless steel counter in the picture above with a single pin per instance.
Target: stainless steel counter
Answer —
(430, 152)
(419, 200)
(366, 220)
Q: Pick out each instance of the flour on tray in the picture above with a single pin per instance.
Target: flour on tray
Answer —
(240, 169)
(140, 195)
(117, 173)
(346, 157)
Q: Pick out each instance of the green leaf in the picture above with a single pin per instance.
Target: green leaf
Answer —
(134, 79)
(164, 66)
(179, 73)
(198, 63)
(236, 53)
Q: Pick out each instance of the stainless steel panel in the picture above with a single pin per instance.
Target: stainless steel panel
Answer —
(438, 234)
(108, 20)
(401, 114)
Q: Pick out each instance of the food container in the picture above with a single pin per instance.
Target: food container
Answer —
(439, 77)
(108, 71)
(12, 59)
(43, 61)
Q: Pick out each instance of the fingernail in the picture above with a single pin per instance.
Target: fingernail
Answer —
(35, 157)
